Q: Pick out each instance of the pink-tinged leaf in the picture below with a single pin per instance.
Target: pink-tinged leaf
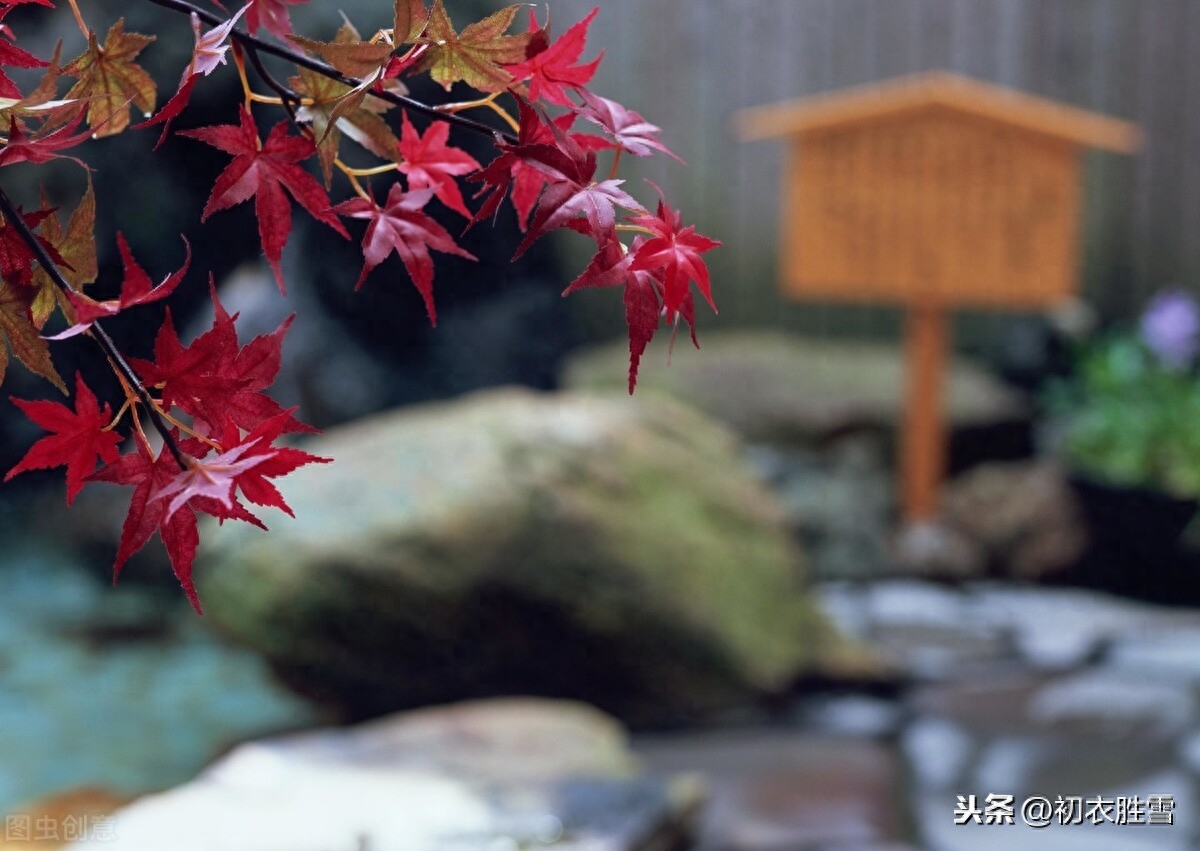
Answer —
(430, 163)
(77, 437)
(207, 56)
(628, 129)
(212, 477)
(401, 226)
(136, 288)
(564, 201)
(244, 462)
(551, 70)
(263, 172)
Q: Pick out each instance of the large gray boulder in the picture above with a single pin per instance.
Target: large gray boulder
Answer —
(779, 388)
(602, 548)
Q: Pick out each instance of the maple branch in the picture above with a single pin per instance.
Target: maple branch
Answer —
(10, 213)
(291, 99)
(253, 43)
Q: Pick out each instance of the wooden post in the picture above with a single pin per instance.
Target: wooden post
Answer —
(923, 438)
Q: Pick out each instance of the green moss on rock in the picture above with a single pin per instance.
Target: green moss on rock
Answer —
(594, 547)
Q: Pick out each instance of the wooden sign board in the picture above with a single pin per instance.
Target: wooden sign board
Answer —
(934, 192)
(933, 189)
(933, 209)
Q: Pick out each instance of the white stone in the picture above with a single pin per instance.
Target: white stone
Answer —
(265, 797)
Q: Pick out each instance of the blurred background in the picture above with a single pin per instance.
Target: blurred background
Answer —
(730, 632)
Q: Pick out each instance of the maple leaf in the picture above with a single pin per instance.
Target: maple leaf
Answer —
(271, 15)
(675, 250)
(641, 316)
(16, 257)
(550, 71)
(110, 80)
(16, 324)
(147, 515)
(628, 129)
(243, 462)
(338, 109)
(19, 148)
(12, 56)
(476, 55)
(409, 18)
(78, 437)
(500, 174)
(348, 52)
(42, 101)
(207, 56)
(609, 267)
(136, 288)
(263, 171)
(213, 378)
(400, 225)
(571, 191)
(515, 172)
(77, 248)
(429, 163)
(359, 119)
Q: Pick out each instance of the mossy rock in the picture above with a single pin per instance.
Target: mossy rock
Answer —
(773, 387)
(595, 547)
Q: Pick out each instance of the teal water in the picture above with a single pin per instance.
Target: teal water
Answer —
(123, 687)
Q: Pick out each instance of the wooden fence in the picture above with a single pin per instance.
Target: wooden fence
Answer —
(688, 65)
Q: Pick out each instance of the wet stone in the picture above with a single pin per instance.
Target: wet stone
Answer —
(781, 790)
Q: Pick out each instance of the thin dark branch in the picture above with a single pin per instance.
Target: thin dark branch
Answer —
(291, 99)
(253, 43)
(15, 221)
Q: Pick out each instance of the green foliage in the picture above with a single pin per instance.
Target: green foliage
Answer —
(1130, 418)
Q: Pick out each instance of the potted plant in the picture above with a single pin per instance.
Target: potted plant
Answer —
(1127, 424)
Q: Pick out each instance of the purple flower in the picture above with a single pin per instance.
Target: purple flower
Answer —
(1171, 328)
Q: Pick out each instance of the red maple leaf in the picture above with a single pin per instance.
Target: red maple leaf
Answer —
(400, 225)
(674, 251)
(429, 163)
(571, 193)
(147, 514)
(207, 56)
(16, 258)
(549, 68)
(503, 172)
(41, 149)
(243, 462)
(12, 56)
(511, 173)
(78, 437)
(136, 288)
(628, 129)
(613, 265)
(263, 170)
(214, 379)
(271, 15)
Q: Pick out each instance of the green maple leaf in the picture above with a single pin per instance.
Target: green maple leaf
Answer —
(110, 78)
(475, 55)
(338, 110)
(16, 325)
(76, 245)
